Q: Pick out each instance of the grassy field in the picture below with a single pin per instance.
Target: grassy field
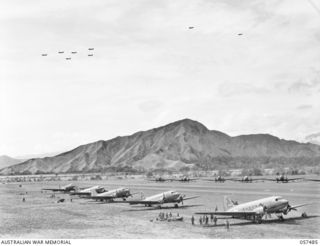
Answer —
(42, 217)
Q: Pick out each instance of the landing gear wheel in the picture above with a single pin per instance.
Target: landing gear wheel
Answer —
(280, 217)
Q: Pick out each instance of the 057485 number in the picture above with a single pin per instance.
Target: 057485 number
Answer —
(309, 241)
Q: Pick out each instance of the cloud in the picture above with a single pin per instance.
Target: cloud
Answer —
(150, 106)
(240, 89)
(304, 107)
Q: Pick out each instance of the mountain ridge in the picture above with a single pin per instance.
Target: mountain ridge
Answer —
(184, 143)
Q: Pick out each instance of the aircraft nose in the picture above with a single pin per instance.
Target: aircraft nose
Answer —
(285, 202)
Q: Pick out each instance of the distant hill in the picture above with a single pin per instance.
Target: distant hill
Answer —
(6, 161)
(185, 143)
(30, 156)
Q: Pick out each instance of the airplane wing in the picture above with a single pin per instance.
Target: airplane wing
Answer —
(267, 179)
(54, 189)
(144, 202)
(235, 180)
(299, 205)
(80, 193)
(191, 197)
(294, 179)
(135, 202)
(162, 180)
(209, 179)
(235, 214)
(101, 197)
(316, 180)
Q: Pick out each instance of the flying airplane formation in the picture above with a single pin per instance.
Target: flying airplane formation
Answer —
(256, 210)
(72, 52)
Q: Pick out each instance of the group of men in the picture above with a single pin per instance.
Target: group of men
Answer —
(204, 220)
(166, 216)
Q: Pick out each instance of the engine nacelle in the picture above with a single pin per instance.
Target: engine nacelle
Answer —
(259, 210)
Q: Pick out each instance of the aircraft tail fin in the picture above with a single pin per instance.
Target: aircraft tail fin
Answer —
(227, 203)
(94, 192)
(142, 196)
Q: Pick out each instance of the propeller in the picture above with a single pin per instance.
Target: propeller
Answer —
(264, 210)
(288, 209)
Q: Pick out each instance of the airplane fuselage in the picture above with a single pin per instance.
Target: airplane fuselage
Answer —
(272, 204)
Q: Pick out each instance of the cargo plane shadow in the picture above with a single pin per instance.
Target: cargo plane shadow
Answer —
(291, 221)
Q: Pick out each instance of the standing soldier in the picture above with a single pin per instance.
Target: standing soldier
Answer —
(227, 225)
(192, 220)
(200, 220)
(211, 218)
(215, 220)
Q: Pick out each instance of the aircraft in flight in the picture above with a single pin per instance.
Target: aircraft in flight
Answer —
(44, 54)
(255, 210)
(91, 49)
(60, 52)
(162, 198)
(65, 189)
(88, 191)
(68, 58)
(90, 54)
(73, 52)
(109, 196)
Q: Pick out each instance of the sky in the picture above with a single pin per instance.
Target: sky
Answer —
(246, 67)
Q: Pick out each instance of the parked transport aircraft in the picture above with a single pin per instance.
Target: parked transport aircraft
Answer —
(255, 210)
